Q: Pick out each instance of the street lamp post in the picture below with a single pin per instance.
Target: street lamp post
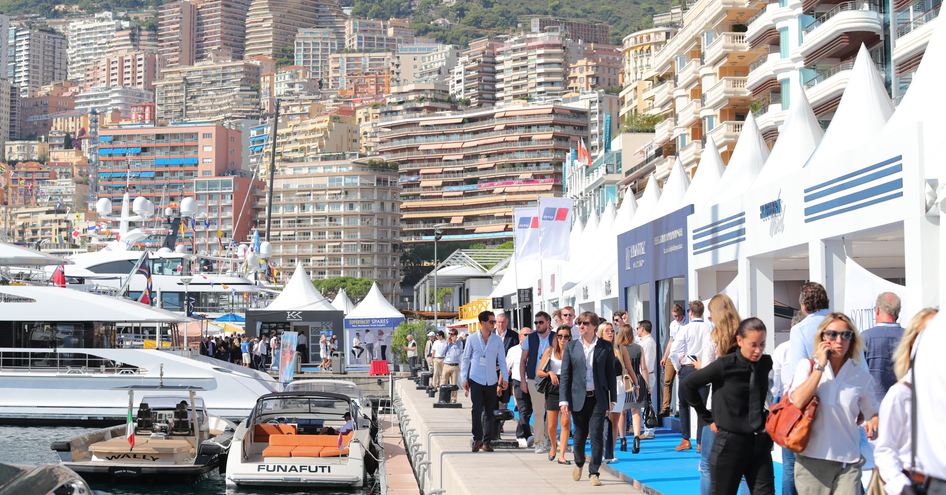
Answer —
(437, 235)
(186, 281)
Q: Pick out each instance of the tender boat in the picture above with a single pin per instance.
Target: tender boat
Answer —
(299, 439)
(170, 438)
(46, 479)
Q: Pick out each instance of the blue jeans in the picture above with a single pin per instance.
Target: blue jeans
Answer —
(706, 450)
(788, 472)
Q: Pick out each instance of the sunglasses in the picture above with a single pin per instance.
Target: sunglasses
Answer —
(832, 335)
(492, 322)
(453, 335)
(540, 322)
(564, 336)
(567, 315)
(585, 322)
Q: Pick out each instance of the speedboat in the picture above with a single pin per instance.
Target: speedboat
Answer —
(301, 438)
(171, 438)
(45, 479)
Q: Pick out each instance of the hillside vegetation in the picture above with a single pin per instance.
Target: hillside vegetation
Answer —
(48, 7)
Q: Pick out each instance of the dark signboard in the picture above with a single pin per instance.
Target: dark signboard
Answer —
(525, 297)
(498, 303)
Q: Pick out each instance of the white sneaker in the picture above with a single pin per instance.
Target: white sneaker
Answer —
(541, 449)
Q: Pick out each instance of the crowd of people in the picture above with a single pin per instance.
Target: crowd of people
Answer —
(258, 353)
(576, 375)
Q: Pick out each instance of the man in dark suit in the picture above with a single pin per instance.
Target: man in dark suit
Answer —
(588, 389)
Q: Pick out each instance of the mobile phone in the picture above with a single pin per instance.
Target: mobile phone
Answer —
(693, 357)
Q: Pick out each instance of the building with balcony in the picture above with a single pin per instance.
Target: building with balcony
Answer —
(368, 35)
(36, 113)
(435, 67)
(104, 99)
(467, 170)
(414, 100)
(532, 66)
(338, 215)
(317, 133)
(638, 51)
(473, 78)
(603, 121)
(177, 33)
(599, 68)
(132, 39)
(225, 206)
(588, 32)
(348, 70)
(161, 163)
(209, 91)
(313, 46)
(129, 69)
(6, 98)
(45, 226)
(39, 59)
(272, 25)
(408, 59)
(593, 187)
(89, 40)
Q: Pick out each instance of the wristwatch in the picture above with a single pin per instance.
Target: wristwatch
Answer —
(818, 367)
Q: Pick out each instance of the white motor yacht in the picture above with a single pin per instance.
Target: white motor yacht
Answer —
(168, 438)
(301, 439)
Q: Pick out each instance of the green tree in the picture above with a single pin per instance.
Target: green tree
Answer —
(355, 287)
(416, 328)
(638, 122)
(286, 56)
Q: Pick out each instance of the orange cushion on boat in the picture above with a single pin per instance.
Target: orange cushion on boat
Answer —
(286, 440)
(262, 432)
(333, 452)
(306, 451)
(278, 451)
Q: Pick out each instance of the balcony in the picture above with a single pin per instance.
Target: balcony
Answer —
(691, 153)
(769, 114)
(825, 89)
(912, 37)
(688, 114)
(663, 131)
(761, 26)
(726, 91)
(762, 72)
(839, 32)
(662, 94)
(725, 133)
(725, 44)
(688, 74)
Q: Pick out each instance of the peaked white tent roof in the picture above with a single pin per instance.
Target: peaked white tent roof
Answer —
(924, 94)
(13, 255)
(374, 305)
(703, 188)
(43, 303)
(647, 206)
(674, 190)
(746, 161)
(625, 214)
(798, 138)
(300, 295)
(527, 274)
(862, 112)
(342, 302)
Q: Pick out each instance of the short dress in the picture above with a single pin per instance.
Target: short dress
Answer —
(634, 352)
(621, 392)
(553, 397)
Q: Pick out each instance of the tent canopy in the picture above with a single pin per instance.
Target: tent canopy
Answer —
(746, 161)
(703, 187)
(13, 255)
(798, 138)
(374, 305)
(674, 190)
(34, 303)
(230, 318)
(342, 302)
(300, 295)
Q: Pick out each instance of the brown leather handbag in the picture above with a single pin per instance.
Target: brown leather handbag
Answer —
(790, 426)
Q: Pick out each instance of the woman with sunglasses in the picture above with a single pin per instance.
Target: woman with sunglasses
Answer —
(551, 366)
(845, 390)
(606, 333)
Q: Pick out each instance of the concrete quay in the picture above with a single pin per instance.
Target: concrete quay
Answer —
(438, 443)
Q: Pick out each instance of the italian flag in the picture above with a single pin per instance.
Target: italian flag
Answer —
(130, 429)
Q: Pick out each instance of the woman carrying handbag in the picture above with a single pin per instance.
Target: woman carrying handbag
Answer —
(550, 367)
(634, 363)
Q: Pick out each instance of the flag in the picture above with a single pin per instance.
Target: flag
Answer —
(130, 430)
(145, 269)
(525, 233)
(340, 441)
(555, 223)
(257, 242)
(59, 276)
(583, 154)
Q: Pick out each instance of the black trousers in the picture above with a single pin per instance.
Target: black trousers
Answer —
(484, 403)
(384, 353)
(736, 455)
(524, 406)
(589, 422)
(684, 406)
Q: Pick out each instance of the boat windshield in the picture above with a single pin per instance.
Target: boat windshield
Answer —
(321, 406)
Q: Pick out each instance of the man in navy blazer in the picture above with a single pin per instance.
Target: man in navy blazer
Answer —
(588, 388)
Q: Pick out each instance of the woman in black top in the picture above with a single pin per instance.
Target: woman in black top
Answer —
(740, 382)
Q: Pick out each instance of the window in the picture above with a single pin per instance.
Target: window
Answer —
(709, 123)
(783, 42)
(786, 86)
(207, 135)
(207, 148)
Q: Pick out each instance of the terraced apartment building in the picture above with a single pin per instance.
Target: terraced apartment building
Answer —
(466, 171)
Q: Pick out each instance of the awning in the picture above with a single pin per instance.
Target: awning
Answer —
(490, 228)
(455, 220)
(431, 183)
(436, 146)
(453, 169)
(484, 165)
(453, 157)
(511, 139)
(452, 194)
(542, 137)
(450, 146)
(527, 175)
(530, 111)
(458, 120)
(430, 170)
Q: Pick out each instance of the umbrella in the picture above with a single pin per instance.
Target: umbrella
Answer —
(231, 318)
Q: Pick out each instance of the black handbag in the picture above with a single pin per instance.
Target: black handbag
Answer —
(650, 417)
(544, 384)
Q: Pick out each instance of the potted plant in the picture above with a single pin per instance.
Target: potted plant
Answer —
(418, 329)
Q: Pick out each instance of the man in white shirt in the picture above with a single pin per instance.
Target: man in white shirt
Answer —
(523, 402)
(930, 382)
(533, 348)
(370, 340)
(686, 347)
(438, 351)
(649, 347)
(482, 356)
(670, 372)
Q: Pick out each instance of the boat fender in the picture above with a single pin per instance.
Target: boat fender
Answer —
(211, 448)
(61, 446)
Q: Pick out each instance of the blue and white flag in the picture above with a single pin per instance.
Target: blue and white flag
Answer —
(525, 233)
(555, 223)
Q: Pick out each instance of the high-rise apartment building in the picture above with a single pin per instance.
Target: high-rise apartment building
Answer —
(89, 40)
(177, 32)
(534, 65)
(128, 69)
(5, 48)
(272, 25)
(473, 78)
(161, 163)
(209, 92)
(368, 35)
(226, 205)
(5, 99)
(588, 32)
(304, 136)
(131, 39)
(638, 50)
(313, 47)
(407, 60)
(339, 215)
(469, 169)
(40, 59)
(347, 69)
(598, 68)
(111, 98)
(435, 67)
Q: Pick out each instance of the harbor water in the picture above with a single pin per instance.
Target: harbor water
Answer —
(30, 445)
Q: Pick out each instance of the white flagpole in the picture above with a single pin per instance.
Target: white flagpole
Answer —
(515, 274)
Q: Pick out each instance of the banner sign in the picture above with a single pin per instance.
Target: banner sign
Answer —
(555, 223)
(287, 356)
(525, 233)
(370, 323)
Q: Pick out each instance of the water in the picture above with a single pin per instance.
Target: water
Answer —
(30, 445)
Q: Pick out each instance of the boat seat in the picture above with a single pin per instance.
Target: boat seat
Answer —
(143, 445)
(262, 432)
(278, 451)
(333, 452)
(309, 440)
(306, 451)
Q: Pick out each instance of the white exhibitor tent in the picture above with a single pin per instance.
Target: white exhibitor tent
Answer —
(374, 315)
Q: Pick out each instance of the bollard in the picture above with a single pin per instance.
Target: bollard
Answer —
(444, 400)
